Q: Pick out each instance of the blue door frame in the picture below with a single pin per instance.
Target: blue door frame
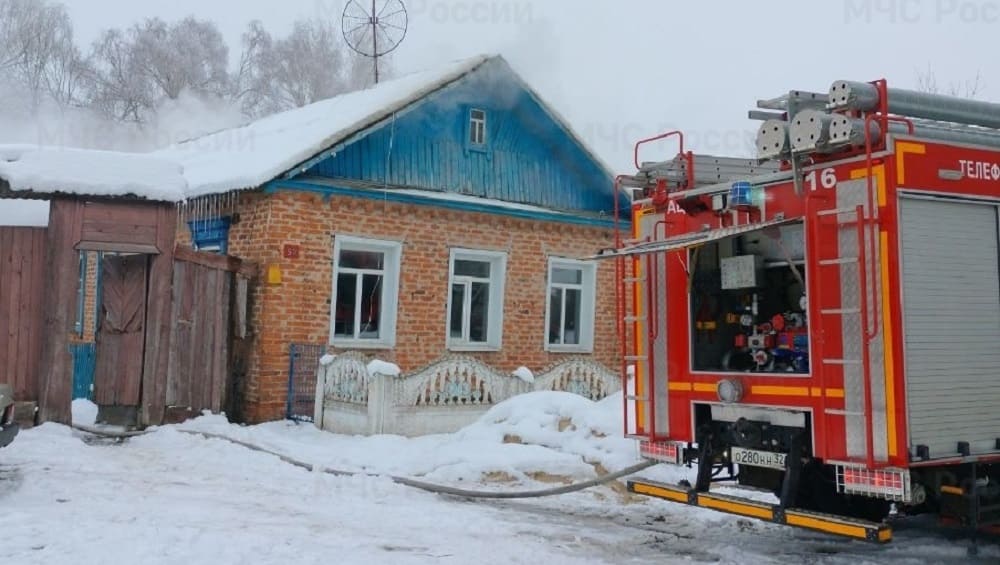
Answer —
(84, 362)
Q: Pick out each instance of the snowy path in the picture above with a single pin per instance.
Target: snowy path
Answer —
(169, 497)
(173, 498)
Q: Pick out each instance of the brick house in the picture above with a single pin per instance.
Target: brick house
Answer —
(436, 214)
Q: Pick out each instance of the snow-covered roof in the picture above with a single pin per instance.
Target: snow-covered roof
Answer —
(238, 158)
(94, 173)
(251, 155)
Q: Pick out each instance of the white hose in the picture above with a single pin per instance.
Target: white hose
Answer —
(429, 487)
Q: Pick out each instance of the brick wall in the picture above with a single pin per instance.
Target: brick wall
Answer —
(183, 233)
(90, 297)
(89, 300)
(298, 310)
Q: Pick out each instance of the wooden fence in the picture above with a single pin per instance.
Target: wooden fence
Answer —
(22, 282)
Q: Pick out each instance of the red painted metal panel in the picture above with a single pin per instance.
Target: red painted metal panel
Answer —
(949, 169)
(894, 317)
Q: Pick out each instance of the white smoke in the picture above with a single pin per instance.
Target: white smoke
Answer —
(51, 125)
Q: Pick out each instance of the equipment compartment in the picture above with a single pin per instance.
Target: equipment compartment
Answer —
(748, 303)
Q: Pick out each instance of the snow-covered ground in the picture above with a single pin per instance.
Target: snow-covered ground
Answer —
(171, 497)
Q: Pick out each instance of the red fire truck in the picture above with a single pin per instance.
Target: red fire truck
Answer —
(822, 321)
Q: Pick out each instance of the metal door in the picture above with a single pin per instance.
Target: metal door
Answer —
(951, 309)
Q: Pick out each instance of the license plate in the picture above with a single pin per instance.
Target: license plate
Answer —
(768, 459)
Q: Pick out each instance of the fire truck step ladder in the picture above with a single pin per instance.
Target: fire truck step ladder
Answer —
(636, 330)
(807, 519)
(645, 399)
(859, 219)
(640, 365)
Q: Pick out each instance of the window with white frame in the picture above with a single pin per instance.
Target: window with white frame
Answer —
(477, 127)
(365, 292)
(475, 299)
(570, 306)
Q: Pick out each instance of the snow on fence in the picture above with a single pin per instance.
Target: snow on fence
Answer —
(358, 396)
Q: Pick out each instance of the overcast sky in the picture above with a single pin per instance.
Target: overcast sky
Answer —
(621, 69)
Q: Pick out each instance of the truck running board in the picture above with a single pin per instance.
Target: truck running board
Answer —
(826, 523)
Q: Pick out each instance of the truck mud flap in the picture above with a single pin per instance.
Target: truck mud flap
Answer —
(816, 521)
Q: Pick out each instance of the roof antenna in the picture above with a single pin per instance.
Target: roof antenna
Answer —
(376, 29)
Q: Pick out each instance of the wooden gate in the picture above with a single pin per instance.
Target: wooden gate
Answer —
(208, 315)
(121, 331)
(22, 284)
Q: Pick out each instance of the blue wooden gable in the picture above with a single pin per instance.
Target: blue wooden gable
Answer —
(485, 135)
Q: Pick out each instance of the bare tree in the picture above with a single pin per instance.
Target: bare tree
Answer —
(130, 74)
(308, 65)
(189, 54)
(927, 82)
(15, 37)
(66, 75)
(135, 70)
(249, 85)
(38, 52)
(117, 88)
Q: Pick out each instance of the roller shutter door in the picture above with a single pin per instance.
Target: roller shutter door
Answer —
(951, 309)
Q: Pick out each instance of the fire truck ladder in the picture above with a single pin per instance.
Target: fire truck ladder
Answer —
(846, 217)
(637, 360)
(868, 318)
(679, 172)
(626, 317)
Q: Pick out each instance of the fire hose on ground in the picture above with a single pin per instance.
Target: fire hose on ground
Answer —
(406, 481)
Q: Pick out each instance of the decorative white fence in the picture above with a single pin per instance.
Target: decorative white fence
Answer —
(443, 397)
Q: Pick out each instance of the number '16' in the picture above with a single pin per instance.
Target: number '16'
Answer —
(827, 179)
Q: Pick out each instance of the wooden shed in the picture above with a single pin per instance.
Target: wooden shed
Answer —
(168, 324)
